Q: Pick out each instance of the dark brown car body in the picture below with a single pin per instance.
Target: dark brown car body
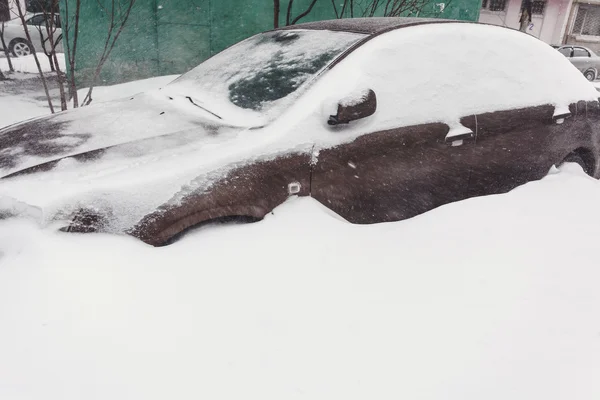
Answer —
(399, 173)
(391, 174)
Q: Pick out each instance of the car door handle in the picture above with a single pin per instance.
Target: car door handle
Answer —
(458, 134)
(560, 114)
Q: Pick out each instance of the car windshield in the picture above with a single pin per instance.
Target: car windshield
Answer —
(252, 82)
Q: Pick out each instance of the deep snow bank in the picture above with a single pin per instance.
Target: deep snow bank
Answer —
(491, 298)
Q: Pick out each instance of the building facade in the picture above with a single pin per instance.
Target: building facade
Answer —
(548, 23)
(8, 9)
(172, 36)
(584, 25)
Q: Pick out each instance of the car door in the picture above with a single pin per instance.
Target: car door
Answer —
(396, 169)
(517, 146)
(511, 149)
(581, 59)
(393, 174)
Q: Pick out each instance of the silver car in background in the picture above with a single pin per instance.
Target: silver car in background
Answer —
(16, 40)
(583, 58)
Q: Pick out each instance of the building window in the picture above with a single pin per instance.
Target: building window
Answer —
(493, 5)
(587, 21)
(538, 6)
(4, 11)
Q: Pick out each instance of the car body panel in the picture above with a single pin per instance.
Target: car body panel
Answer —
(397, 174)
(252, 190)
(499, 165)
(391, 175)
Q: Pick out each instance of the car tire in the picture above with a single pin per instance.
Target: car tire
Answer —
(20, 48)
(577, 159)
(590, 75)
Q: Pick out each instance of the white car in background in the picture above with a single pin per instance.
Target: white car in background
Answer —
(583, 58)
(16, 39)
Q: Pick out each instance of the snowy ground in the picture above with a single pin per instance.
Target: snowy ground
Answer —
(491, 298)
(27, 65)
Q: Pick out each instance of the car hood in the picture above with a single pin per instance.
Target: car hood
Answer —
(147, 122)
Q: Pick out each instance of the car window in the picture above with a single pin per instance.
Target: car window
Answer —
(579, 52)
(40, 20)
(565, 51)
(36, 20)
(263, 73)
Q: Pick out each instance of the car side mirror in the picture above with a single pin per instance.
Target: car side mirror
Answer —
(352, 108)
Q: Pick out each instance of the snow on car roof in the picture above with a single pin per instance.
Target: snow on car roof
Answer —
(365, 25)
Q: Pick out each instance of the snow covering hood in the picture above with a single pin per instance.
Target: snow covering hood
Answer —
(147, 122)
(123, 158)
(128, 157)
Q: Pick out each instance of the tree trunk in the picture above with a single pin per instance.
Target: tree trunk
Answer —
(71, 49)
(118, 20)
(276, 9)
(51, 62)
(35, 57)
(11, 68)
(61, 84)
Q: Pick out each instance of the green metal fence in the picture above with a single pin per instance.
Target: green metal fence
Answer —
(171, 36)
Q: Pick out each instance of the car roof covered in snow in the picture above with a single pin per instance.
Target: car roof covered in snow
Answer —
(369, 26)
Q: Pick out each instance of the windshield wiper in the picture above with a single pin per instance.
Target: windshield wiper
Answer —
(199, 106)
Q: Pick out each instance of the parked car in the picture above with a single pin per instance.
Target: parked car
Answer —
(16, 39)
(583, 58)
(356, 113)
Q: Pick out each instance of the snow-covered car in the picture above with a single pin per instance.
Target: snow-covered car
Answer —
(16, 39)
(583, 58)
(355, 113)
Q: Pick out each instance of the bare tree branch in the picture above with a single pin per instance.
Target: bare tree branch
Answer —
(35, 57)
(51, 25)
(71, 24)
(288, 17)
(386, 8)
(118, 20)
(4, 8)
(292, 21)
(337, 15)
(305, 13)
